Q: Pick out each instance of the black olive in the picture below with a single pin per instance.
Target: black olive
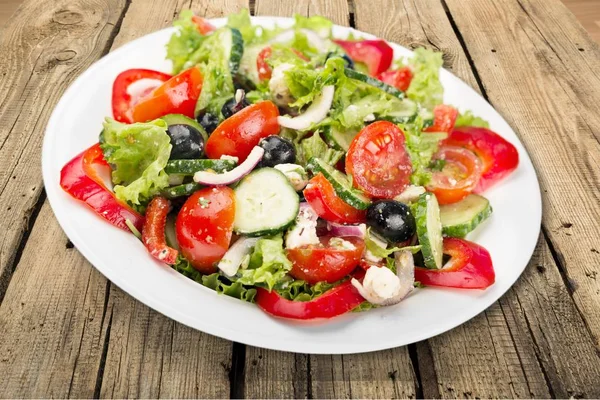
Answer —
(186, 140)
(392, 220)
(208, 121)
(277, 151)
(347, 60)
(235, 104)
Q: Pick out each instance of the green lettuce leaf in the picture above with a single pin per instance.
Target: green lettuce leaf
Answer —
(305, 82)
(184, 41)
(421, 148)
(468, 119)
(268, 264)
(315, 146)
(425, 87)
(138, 153)
(299, 290)
(217, 86)
(252, 34)
(319, 24)
(379, 251)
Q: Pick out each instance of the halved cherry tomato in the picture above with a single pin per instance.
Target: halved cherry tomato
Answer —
(203, 25)
(238, 134)
(499, 157)
(321, 196)
(123, 100)
(263, 67)
(153, 232)
(378, 161)
(459, 175)
(324, 262)
(178, 95)
(398, 78)
(92, 191)
(204, 225)
(470, 267)
(376, 54)
(444, 118)
(334, 302)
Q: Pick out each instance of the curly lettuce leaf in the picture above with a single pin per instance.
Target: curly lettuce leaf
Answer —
(268, 264)
(186, 40)
(468, 119)
(300, 290)
(252, 34)
(315, 146)
(421, 148)
(138, 153)
(217, 86)
(425, 87)
(319, 24)
(305, 82)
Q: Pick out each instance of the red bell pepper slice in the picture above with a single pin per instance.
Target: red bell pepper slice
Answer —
(89, 189)
(470, 267)
(499, 157)
(334, 302)
(398, 78)
(122, 100)
(377, 54)
(204, 27)
(153, 232)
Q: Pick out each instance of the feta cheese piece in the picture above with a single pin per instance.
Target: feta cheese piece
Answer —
(304, 232)
(410, 194)
(341, 244)
(295, 174)
(230, 158)
(278, 87)
(369, 117)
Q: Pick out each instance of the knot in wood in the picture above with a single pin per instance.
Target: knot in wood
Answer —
(66, 55)
(67, 17)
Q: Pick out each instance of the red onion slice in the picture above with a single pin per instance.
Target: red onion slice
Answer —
(229, 177)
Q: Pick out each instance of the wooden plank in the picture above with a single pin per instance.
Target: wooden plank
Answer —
(51, 320)
(7, 9)
(532, 84)
(336, 10)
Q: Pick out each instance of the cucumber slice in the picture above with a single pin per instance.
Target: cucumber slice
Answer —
(339, 140)
(405, 112)
(426, 211)
(460, 218)
(265, 203)
(233, 45)
(170, 235)
(190, 167)
(248, 68)
(341, 184)
(180, 119)
(186, 189)
(352, 74)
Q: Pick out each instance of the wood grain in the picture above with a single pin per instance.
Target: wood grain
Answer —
(543, 105)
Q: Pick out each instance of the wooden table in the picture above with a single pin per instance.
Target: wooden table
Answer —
(65, 331)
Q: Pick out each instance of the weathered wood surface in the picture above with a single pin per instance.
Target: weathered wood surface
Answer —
(67, 332)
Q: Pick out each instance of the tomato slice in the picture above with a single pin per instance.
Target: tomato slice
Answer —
(153, 232)
(204, 27)
(336, 301)
(377, 54)
(378, 161)
(444, 118)
(398, 78)
(325, 262)
(499, 157)
(459, 175)
(178, 95)
(321, 196)
(470, 267)
(123, 100)
(204, 226)
(262, 65)
(238, 134)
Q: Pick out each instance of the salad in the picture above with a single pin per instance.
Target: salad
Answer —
(310, 175)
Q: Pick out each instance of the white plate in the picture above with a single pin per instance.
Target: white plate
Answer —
(510, 235)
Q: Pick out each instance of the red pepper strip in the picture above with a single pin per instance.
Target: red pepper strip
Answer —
(153, 232)
(204, 27)
(73, 180)
(122, 101)
(377, 54)
(334, 302)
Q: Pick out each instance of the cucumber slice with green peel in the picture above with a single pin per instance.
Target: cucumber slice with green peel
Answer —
(248, 68)
(186, 189)
(190, 167)
(180, 119)
(170, 235)
(339, 140)
(462, 217)
(426, 211)
(232, 43)
(341, 184)
(265, 203)
(369, 80)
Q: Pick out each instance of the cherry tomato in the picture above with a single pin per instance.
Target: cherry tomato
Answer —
(444, 118)
(204, 225)
(336, 301)
(178, 95)
(459, 175)
(499, 157)
(153, 232)
(123, 100)
(262, 65)
(204, 27)
(378, 161)
(321, 196)
(470, 267)
(238, 134)
(376, 54)
(324, 262)
(398, 78)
